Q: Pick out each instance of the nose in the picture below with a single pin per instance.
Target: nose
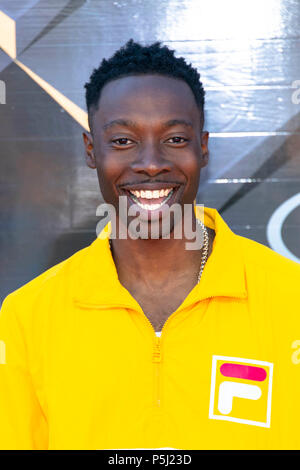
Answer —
(151, 162)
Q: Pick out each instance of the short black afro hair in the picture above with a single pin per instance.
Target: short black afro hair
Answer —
(135, 59)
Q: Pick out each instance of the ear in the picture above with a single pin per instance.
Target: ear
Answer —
(204, 147)
(89, 150)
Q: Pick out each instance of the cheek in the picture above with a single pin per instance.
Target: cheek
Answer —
(191, 169)
(107, 172)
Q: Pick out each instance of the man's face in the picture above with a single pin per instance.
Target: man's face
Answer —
(145, 150)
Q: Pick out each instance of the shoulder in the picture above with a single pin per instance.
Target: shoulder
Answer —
(46, 282)
(265, 257)
(264, 263)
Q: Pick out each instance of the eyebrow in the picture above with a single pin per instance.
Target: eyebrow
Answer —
(128, 123)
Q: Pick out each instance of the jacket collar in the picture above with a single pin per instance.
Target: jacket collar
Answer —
(97, 283)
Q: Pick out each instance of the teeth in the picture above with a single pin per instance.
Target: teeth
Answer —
(151, 194)
(152, 207)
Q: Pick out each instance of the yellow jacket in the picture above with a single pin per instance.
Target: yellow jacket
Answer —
(82, 368)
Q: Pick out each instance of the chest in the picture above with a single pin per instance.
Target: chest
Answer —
(102, 365)
(159, 305)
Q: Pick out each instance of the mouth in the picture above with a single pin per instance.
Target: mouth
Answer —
(152, 200)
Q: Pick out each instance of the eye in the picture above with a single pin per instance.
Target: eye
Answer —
(178, 137)
(118, 141)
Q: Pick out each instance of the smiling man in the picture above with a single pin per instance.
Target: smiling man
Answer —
(147, 143)
(137, 341)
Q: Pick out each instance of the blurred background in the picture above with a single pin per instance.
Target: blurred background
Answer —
(248, 55)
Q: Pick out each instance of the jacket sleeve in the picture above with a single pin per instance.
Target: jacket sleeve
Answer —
(22, 422)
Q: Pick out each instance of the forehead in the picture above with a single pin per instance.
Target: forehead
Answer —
(146, 97)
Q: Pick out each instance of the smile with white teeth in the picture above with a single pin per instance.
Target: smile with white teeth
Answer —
(151, 195)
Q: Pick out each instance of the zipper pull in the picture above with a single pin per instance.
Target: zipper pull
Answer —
(156, 352)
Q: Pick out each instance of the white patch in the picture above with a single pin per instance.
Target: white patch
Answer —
(225, 388)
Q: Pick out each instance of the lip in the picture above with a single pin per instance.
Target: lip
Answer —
(155, 214)
(149, 186)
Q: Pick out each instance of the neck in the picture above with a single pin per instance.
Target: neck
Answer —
(156, 262)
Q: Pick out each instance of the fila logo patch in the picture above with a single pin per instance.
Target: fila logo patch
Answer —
(241, 390)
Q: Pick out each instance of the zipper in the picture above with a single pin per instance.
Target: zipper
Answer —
(157, 359)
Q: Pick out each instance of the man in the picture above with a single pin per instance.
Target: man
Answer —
(82, 367)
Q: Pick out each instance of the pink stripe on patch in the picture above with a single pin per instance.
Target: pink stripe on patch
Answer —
(243, 372)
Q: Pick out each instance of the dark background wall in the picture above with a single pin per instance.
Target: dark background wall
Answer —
(248, 55)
